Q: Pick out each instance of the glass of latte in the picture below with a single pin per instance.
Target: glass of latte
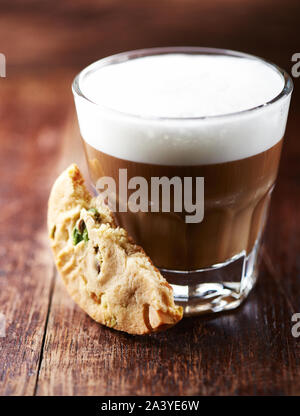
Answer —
(184, 145)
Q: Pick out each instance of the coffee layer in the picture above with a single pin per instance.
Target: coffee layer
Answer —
(236, 200)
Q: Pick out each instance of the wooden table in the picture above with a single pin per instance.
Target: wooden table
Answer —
(51, 346)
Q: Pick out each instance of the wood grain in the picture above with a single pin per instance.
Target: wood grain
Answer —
(28, 149)
(250, 351)
(52, 347)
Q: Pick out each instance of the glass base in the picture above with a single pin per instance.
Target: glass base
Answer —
(219, 288)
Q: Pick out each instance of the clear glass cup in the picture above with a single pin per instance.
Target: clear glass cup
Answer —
(213, 264)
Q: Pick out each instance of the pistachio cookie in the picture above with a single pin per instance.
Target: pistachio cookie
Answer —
(110, 277)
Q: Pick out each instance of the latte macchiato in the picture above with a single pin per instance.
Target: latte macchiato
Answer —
(188, 114)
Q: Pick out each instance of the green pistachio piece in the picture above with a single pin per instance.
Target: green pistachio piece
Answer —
(80, 233)
(85, 235)
(76, 236)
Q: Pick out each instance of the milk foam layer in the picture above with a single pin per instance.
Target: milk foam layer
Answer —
(178, 86)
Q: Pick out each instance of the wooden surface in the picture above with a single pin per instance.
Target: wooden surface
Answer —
(51, 346)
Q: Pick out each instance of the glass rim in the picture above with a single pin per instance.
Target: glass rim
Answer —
(138, 53)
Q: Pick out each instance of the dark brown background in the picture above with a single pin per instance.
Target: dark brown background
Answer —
(51, 346)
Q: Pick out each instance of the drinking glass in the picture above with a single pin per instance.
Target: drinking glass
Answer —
(212, 264)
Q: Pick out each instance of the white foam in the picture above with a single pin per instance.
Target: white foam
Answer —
(181, 86)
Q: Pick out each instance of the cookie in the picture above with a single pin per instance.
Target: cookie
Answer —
(105, 272)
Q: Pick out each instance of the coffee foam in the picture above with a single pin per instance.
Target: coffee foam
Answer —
(143, 91)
